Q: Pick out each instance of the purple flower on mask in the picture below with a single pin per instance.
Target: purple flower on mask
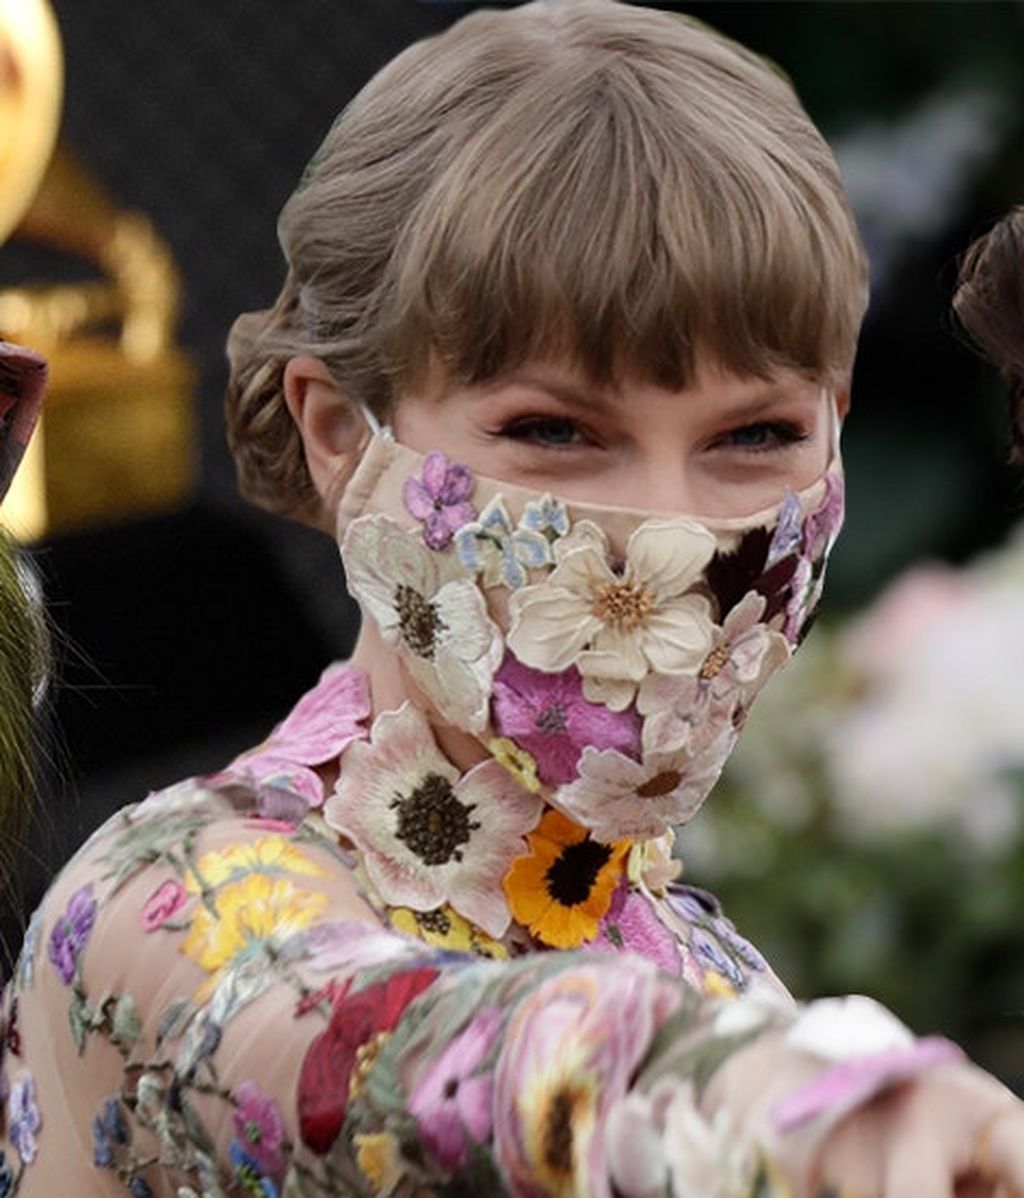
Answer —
(786, 538)
(71, 931)
(439, 499)
(547, 715)
(822, 526)
(450, 1100)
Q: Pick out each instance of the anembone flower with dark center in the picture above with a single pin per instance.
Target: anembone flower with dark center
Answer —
(434, 822)
(428, 611)
(430, 837)
(418, 620)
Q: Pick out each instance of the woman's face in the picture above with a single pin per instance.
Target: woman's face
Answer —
(723, 447)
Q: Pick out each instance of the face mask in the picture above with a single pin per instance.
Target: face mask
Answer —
(608, 657)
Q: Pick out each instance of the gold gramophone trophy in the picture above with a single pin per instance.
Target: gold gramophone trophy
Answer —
(116, 438)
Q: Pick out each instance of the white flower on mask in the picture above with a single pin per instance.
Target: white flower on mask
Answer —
(691, 711)
(616, 626)
(425, 606)
(428, 835)
(618, 798)
(491, 546)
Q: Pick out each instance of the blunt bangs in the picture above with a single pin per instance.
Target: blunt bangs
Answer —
(629, 221)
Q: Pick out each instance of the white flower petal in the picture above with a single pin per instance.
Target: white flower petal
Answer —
(548, 627)
(669, 556)
(679, 635)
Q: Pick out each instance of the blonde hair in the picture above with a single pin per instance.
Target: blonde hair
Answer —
(578, 178)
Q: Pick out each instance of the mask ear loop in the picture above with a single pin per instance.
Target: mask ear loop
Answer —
(836, 427)
(374, 425)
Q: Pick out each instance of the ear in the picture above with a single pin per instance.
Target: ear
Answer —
(843, 404)
(332, 429)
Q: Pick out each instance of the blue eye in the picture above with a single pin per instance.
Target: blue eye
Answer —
(554, 431)
(764, 436)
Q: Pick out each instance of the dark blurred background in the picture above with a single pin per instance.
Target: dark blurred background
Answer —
(183, 637)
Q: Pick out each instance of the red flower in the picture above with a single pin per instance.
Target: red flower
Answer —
(327, 1066)
(332, 994)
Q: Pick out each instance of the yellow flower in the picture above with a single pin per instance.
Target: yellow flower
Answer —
(716, 986)
(561, 1122)
(651, 862)
(445, 928)
(563, 888)
(272, 855)
(517, 761)
(378, 1160)
(246, 916)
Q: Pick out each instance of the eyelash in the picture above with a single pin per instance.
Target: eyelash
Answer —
(780, 433)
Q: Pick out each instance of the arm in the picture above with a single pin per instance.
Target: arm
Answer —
(209, 1008)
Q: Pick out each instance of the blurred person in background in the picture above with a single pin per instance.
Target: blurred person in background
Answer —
(23, 652)
(989, 302)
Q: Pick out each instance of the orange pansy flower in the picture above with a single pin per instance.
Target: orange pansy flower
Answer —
(563, 887)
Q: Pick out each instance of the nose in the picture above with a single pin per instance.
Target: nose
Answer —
(663, 482)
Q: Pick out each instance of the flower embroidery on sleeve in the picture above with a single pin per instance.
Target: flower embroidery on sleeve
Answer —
(569, 1052)
(358, 1025)
(108, 1132)
(244, 920)
(259, 1127)
(24, 1119)
(71, 931)
(452, 1099)
(168, 898)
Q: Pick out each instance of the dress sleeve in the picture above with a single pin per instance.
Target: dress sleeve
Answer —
(206, 1006)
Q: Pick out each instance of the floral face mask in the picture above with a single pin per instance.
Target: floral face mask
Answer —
(607, 657)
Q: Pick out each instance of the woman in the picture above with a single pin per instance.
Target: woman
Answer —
(989, 301)
(576, 429)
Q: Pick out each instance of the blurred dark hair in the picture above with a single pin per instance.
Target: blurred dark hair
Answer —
(989, 302)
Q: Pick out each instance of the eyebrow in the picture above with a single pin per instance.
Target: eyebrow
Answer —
(743, 409)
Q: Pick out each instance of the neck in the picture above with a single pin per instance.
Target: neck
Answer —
(391, 686)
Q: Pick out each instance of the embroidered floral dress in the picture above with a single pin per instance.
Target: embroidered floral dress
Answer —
(212, 1000)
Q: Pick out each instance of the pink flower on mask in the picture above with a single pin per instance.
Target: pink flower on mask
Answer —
(547, 715)
(439, 499)
(822, 526)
